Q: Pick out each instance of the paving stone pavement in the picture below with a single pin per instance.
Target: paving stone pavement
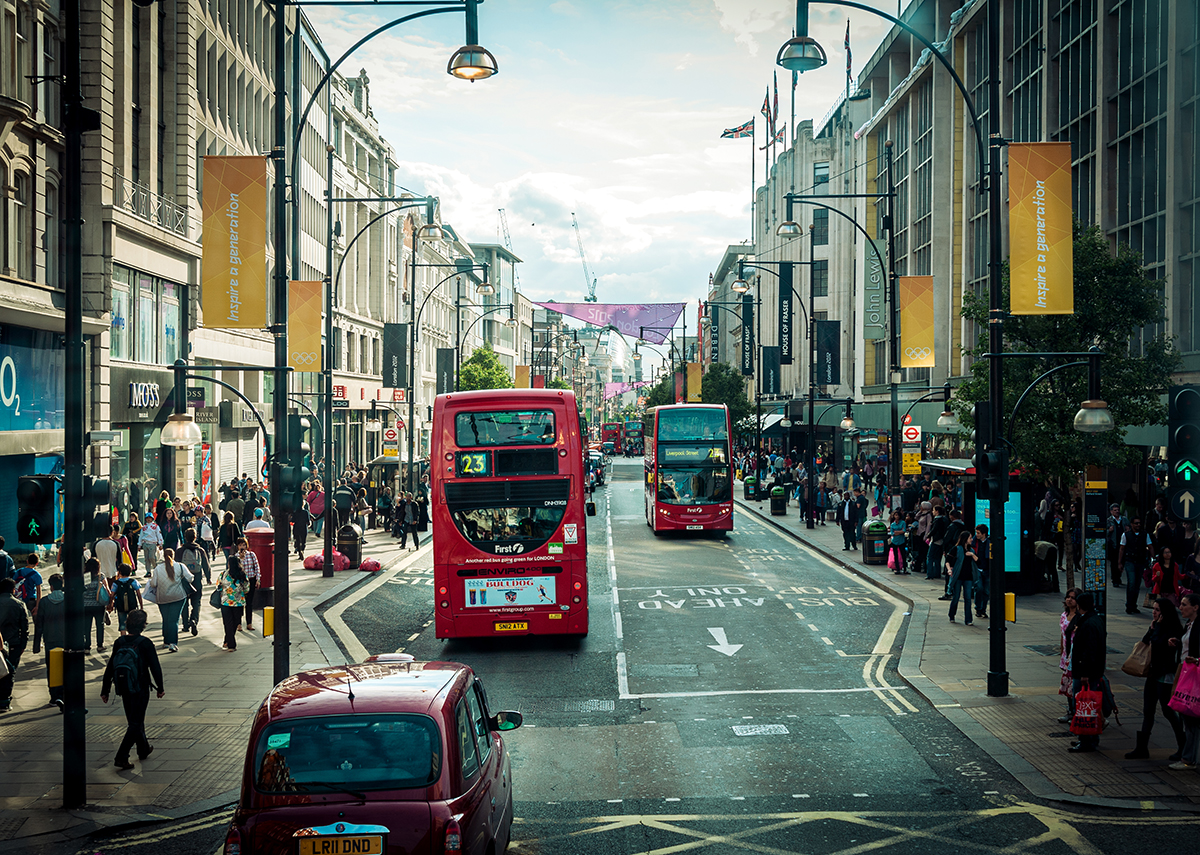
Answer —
(198, 729)
(948, 664)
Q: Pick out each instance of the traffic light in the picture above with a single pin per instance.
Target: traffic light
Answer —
(981, 437)
(97, 499)
(295, 471)
(36, 499)
(1183, 451)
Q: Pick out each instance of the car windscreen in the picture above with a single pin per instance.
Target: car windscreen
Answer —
(328, 754)
(504, 427)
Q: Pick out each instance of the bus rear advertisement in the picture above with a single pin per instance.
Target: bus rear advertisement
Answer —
(689, 481)
(509, 510)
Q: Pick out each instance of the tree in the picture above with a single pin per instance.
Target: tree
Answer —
(1116, 304)
(723, 385)
(661, 393)
(558, 383)
(483, 371)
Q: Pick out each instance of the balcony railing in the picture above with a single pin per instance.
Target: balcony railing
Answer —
(137, 199)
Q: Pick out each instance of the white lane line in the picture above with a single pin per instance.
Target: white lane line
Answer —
(414, 636)
(813, 627)
(618, 626)
(617, 622)
(827, 641)
(626, 696)
(355, 651)
(881, 680)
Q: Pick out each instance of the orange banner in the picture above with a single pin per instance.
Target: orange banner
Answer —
(916, 321)
(233, 281)
(521, 377)
(304, 324)
(695, 376)
(1042, 273)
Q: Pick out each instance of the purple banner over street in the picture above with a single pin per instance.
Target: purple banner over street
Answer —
(651, 321)
(611, 390)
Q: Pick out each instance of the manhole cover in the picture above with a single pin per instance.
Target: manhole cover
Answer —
(589, 706)
(759, 730)
(1044, 649)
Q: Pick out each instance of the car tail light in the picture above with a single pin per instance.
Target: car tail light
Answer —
(453, 837)
(233, 841)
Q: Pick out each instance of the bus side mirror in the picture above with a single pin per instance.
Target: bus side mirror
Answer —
(591, 509)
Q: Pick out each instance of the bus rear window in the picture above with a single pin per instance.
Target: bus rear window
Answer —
(504, 427)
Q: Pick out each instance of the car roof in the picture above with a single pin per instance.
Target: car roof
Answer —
(368, 687)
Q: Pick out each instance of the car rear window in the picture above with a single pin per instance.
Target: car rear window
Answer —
(331, 754)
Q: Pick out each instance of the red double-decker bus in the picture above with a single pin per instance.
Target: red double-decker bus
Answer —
(509, 508)
(689, 482)
(613, 432)
(633, 437)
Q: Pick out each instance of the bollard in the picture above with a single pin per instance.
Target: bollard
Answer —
(1010, 607)
(54, 668)
(268, 621)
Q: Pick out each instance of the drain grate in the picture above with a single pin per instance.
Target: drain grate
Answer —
(759, 730)
(10, 827)
(589, 706)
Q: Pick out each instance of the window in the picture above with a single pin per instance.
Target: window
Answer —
(820, 227)
(513, 427)
(146, 316)
(363, 354)
(466, 741)
(50, 88)
(51, 247)
(821, 177)
(24, 56)
(820, 277)
(119, 344)
(483, 737)
(23, 225)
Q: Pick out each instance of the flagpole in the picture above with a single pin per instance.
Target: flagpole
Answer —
(753, 185)
(792, 130)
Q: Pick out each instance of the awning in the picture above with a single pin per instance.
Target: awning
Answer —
(384, 461)
(959, 466)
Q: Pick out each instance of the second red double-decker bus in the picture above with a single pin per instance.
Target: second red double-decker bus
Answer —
(613, 432)
(689, 484)
(633, 437)
(509, 509)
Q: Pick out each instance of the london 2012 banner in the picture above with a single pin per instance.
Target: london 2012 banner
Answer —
(304, 324)
(650, 321)
(916, 321)
(233, 281)
(1039, 222)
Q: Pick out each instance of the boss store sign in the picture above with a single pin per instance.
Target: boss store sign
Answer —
(140, 395)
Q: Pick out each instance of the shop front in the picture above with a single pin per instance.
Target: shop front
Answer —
(141, 467)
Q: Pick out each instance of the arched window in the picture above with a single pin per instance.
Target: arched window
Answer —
(23, 226)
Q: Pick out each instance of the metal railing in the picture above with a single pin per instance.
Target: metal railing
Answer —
(138, 200)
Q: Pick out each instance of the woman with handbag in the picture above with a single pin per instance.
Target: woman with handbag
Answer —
(896, 544)
(167, 591)
(232, 586)
(1163, 575)
(132, 530)
(96, 596)
(227, 537)
(1155, 658)
(249, 564)
(1189, 644)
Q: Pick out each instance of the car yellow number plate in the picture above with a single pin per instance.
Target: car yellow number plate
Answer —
(351, 844)
(513, 626)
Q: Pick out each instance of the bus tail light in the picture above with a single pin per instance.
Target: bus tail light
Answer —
(453, 837)
(576, 600)
(444, 604)
(578, 586)
(442, 590)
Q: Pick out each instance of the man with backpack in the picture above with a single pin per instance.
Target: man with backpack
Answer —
(195, 558)
(29, 585)
(132, 668)
(126, 595)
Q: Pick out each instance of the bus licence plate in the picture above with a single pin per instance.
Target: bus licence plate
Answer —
(356, 844)
(695, 528)
(513, 626)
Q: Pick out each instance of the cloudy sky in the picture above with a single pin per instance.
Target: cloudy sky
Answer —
(608, 109)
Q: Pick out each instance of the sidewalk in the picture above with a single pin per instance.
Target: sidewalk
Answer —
(948, 664)
(198, 729)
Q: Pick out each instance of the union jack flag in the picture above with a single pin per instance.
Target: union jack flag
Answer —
(778, 138)
(746, 130)
(775, 106)
(846, 44)
(766, 108)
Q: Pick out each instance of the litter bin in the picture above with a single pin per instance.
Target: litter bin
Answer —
(349, 543)
(778, 501)
(875, 538)
(749, 488)
(262, 544)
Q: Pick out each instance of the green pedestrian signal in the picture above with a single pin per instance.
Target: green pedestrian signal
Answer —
(36, 499)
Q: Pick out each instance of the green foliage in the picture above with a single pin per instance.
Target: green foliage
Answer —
(558, 383)
(725, 385)
(662, 393)
(483, 371)
(1115, 303)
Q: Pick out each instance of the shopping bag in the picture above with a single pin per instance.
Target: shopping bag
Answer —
(370, 565)
(1138, 663)
(1186, 697)
(214, 599)
(1088, 720)
(892, 559)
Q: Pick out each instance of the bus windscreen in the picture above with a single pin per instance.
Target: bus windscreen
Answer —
(692, 424)
(504, 427)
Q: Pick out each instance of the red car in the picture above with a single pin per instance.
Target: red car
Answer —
(386, 757)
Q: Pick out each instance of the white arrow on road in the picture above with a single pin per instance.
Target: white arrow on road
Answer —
(722, 643)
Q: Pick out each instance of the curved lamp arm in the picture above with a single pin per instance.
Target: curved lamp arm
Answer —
(1013, 416)
(181, 374)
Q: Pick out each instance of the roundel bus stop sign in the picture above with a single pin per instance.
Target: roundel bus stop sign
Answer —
(391, 443)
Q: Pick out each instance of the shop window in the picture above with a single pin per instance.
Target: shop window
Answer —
(146, 317)
(119, 343)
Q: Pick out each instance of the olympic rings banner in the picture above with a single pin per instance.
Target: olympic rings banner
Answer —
(521, 377)
(916, 321)
(304, 324)
(1039, 222)
(233, 281)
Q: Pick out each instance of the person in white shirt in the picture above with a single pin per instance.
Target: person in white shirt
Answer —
(108, 553)
(258, 521)
(150, 539)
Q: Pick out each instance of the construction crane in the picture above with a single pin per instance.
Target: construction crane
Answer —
(588, 278)
(508, 245)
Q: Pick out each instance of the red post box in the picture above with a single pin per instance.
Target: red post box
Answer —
(262, 544)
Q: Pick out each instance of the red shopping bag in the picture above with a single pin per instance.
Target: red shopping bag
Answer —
(1088, 720)
(1186, 696)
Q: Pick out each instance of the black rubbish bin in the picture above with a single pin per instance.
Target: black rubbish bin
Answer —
(778, 501)
(875, 543)
(750, 488)
(350, 543)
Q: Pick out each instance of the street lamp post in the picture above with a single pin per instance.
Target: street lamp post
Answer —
(511, 321)
(544, 349)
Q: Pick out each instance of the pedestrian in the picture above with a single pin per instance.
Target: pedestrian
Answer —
(1165, 629)
(316, 507)
(361, 508)
(1115, 525)
(249, 564)
(861, 503)
(343, 503)
(383, 508)
(172, 529)
(1189, 646)
(1066, 628)
(233, 585)
(1133, 556)
(407, 510)
(29, 584)
(258, 522)
(207, 530)
(8, 567)
(134, 668)
(227, 537)
(300, 522)
(1163, 575)
(195, 558)
(167, 590)
(96, 597)
(150, 540)
(983, 566)
(14, 635)
(108, 552)
(848, 517)
(962, 576)
(126, 595)
(896, 558)
(1087, 663)
(822, 503)
(1189, 574)
(936, 541)
(422, 497)
(50, 626)
(236, 507)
